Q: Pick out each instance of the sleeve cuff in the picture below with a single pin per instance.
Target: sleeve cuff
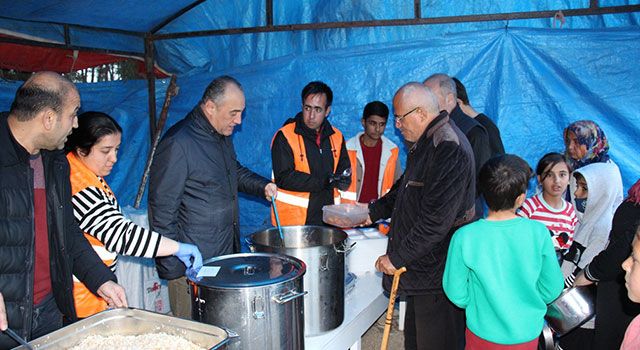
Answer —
(589, 276)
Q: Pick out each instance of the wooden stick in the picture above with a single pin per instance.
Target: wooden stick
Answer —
(172, 90)
(392, 300)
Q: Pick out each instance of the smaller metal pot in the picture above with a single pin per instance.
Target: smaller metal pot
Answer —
(571, 309)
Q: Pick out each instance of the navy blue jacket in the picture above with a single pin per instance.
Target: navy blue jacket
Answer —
(193, 190)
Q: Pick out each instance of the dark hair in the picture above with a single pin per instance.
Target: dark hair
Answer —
(217, 88)
(317, 87)
(461, 91)
(375, 108)
(503, 179)
(550, 160)
(92, 126)
(31, 99)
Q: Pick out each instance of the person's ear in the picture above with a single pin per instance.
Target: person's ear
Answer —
(49, 118)
(326, 114)
(364, 123)
(520, 200)
(210, 106)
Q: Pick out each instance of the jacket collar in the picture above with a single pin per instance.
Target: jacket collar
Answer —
(201, 122)
(437, 123)
(17, 153)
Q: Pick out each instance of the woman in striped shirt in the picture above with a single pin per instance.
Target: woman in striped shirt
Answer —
(92, 151)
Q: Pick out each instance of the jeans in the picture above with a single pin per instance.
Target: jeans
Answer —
(46, 317)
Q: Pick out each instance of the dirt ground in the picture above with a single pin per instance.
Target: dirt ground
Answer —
(372, 339)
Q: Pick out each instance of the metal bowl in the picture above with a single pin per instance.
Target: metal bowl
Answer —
(571, 309)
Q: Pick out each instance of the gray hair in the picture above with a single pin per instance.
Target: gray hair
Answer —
(218, 87)
(419, 95)
(446, 84)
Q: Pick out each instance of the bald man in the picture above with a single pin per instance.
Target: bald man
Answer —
(434, 197)
(42, 249)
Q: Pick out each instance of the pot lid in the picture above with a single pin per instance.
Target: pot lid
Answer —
(250, 270)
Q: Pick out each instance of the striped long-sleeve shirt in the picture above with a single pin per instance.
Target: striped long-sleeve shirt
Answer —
(99, 215)
(561, 222)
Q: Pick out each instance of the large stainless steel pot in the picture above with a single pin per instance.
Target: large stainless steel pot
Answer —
(256, 295)
(571, 309)
(323, 250)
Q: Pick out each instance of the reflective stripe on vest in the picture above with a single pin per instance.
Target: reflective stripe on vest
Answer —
(292, 206)
(350, 195)
(87, 303)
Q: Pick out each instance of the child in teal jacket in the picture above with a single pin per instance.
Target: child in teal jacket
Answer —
(503, 269)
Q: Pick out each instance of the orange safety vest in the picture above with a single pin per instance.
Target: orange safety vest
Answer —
(386, 177)
(86, 302)
(292, 206)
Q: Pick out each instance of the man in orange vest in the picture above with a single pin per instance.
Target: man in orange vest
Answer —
(309, 160)
(373, 157)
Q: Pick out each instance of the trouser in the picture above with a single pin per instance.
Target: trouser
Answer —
(46, 317)
(180, 298)
(433, 322)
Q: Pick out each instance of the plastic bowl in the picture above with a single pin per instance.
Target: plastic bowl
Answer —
(344, 215)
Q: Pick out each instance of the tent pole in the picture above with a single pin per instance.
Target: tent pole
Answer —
(402, 22)
(151, 83)
(269, 12)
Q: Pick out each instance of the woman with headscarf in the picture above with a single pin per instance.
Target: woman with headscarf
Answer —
(585, 143)
(615, 311)
(597, 192)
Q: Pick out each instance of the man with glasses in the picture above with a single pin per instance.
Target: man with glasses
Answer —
(309, 160)
(433, 198)
(373, 157)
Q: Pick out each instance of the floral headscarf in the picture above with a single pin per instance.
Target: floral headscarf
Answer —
(589, 134)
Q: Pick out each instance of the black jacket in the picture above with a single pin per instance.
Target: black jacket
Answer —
(476, 134)
(193, 190)
(613, 307)
(434, 197)
(320, 164)
(495, 140)
(70, 253)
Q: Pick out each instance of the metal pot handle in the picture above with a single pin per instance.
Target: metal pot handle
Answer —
(231, 335)
(344, 249)
(287, 296)
(249, 242)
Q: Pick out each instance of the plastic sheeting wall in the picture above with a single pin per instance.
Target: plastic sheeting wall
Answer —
(532, 82)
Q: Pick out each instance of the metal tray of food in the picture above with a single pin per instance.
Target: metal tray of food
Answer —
(130, 321)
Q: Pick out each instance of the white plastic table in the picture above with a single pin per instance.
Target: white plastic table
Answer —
(363, 306)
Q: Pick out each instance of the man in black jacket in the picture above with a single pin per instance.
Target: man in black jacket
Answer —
(495, 141)
(194, 183)
(434, 197)
(445, 90)
(309, 159)
(42, 245)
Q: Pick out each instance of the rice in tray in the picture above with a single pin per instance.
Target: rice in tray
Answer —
(149, 341)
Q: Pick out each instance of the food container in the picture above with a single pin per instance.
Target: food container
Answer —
(344, 215)
(323, 250)
(257, 295)
(132, 322)
(571, 309)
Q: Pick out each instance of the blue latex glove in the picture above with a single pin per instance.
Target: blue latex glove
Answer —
(185, 253)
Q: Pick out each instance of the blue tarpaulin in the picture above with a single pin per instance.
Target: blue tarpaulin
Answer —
(532, 81)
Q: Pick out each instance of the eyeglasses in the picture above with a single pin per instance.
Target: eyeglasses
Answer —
(398, 119)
